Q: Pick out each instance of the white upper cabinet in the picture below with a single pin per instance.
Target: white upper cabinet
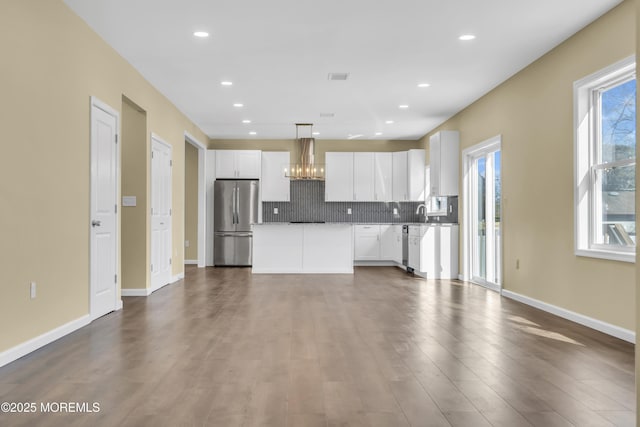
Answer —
(372, 177)
(376, 177)
(400, 192)
(444, 156)
(383, 177)
(273, 183)
(244, 164)
(338, 185)
(363, 177)
(415, 173)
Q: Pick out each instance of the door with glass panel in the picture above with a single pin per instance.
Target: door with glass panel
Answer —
(483, 220)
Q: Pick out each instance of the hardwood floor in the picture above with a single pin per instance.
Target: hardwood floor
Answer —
(379, 348)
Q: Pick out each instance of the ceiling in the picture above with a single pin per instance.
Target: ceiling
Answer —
(278, 55)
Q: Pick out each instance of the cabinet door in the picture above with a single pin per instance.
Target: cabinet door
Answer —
(397, 243)
(400, 177)
(413, 260)
(449, 163)
(248, 164)
(367, 242)
(429, 253)
(225, 164)
(338, 183)
(383, 179)
(388, 246)
(434, 163)
(363, 177)
(273, 183)
(448, 246)
(416, 165)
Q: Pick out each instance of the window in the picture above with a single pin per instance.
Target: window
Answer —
(605, 162)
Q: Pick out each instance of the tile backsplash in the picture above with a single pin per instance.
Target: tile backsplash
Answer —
(307, 204)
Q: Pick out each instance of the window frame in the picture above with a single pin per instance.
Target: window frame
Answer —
(587, 159)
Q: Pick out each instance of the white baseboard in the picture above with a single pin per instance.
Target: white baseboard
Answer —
(191, 261)
(119, 305)
(598, 325)
(177, 277)
(133, 292)
(461, 277)
(33, 344)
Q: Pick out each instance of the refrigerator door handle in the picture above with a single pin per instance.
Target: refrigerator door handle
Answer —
(237, 207)
(243, 234)
(233, 206)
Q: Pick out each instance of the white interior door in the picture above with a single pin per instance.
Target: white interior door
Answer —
(161, 164)
(103, 234)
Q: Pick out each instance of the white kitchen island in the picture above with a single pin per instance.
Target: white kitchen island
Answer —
(302, 248)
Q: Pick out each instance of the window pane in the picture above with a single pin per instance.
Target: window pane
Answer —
(618, 122)
(615, 206)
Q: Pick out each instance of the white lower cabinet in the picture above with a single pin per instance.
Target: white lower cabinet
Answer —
(433, 250)
(302, 248)
(413, 260)
(366, 242)
(396, 244)
(377, 242)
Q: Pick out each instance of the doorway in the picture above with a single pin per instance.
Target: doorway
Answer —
(195, 207)
(161, 227)
(482, 221)
(103, 210)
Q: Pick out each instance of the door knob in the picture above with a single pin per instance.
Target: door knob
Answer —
(96, 223)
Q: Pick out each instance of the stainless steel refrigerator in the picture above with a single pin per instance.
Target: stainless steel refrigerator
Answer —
(235, 209)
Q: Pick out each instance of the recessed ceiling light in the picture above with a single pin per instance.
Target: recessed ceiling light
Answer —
(316, 133)
(238, 105)
(424, 85)
(389, 122)
(201, 34)
(467, 37)
(226, 83)
(246, 121)
(378, 133)
(253, 133)
(403, 106)
(354, 136)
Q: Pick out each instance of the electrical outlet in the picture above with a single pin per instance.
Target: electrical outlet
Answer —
(275, 211)
(395, 211)
(517, 264)
(348, 211)
(32, 290)
(186, 243)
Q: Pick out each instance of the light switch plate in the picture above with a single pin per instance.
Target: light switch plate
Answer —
(275, 211)
(129, 201)
(348, 211)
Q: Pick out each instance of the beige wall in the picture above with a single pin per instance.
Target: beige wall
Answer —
(135, 182)
(191, 201)
(322, 145)
(51, 67)
(533, 111)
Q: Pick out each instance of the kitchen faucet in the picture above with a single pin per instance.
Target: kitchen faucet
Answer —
(421, 205)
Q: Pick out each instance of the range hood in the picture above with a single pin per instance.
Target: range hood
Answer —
(306, 168)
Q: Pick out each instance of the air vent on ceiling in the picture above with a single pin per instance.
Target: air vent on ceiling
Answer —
(327, 114)
(338, 76)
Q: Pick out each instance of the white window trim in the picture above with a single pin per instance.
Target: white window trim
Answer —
(582, 160)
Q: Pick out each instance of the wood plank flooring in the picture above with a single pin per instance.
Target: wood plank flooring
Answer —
(379, 348)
